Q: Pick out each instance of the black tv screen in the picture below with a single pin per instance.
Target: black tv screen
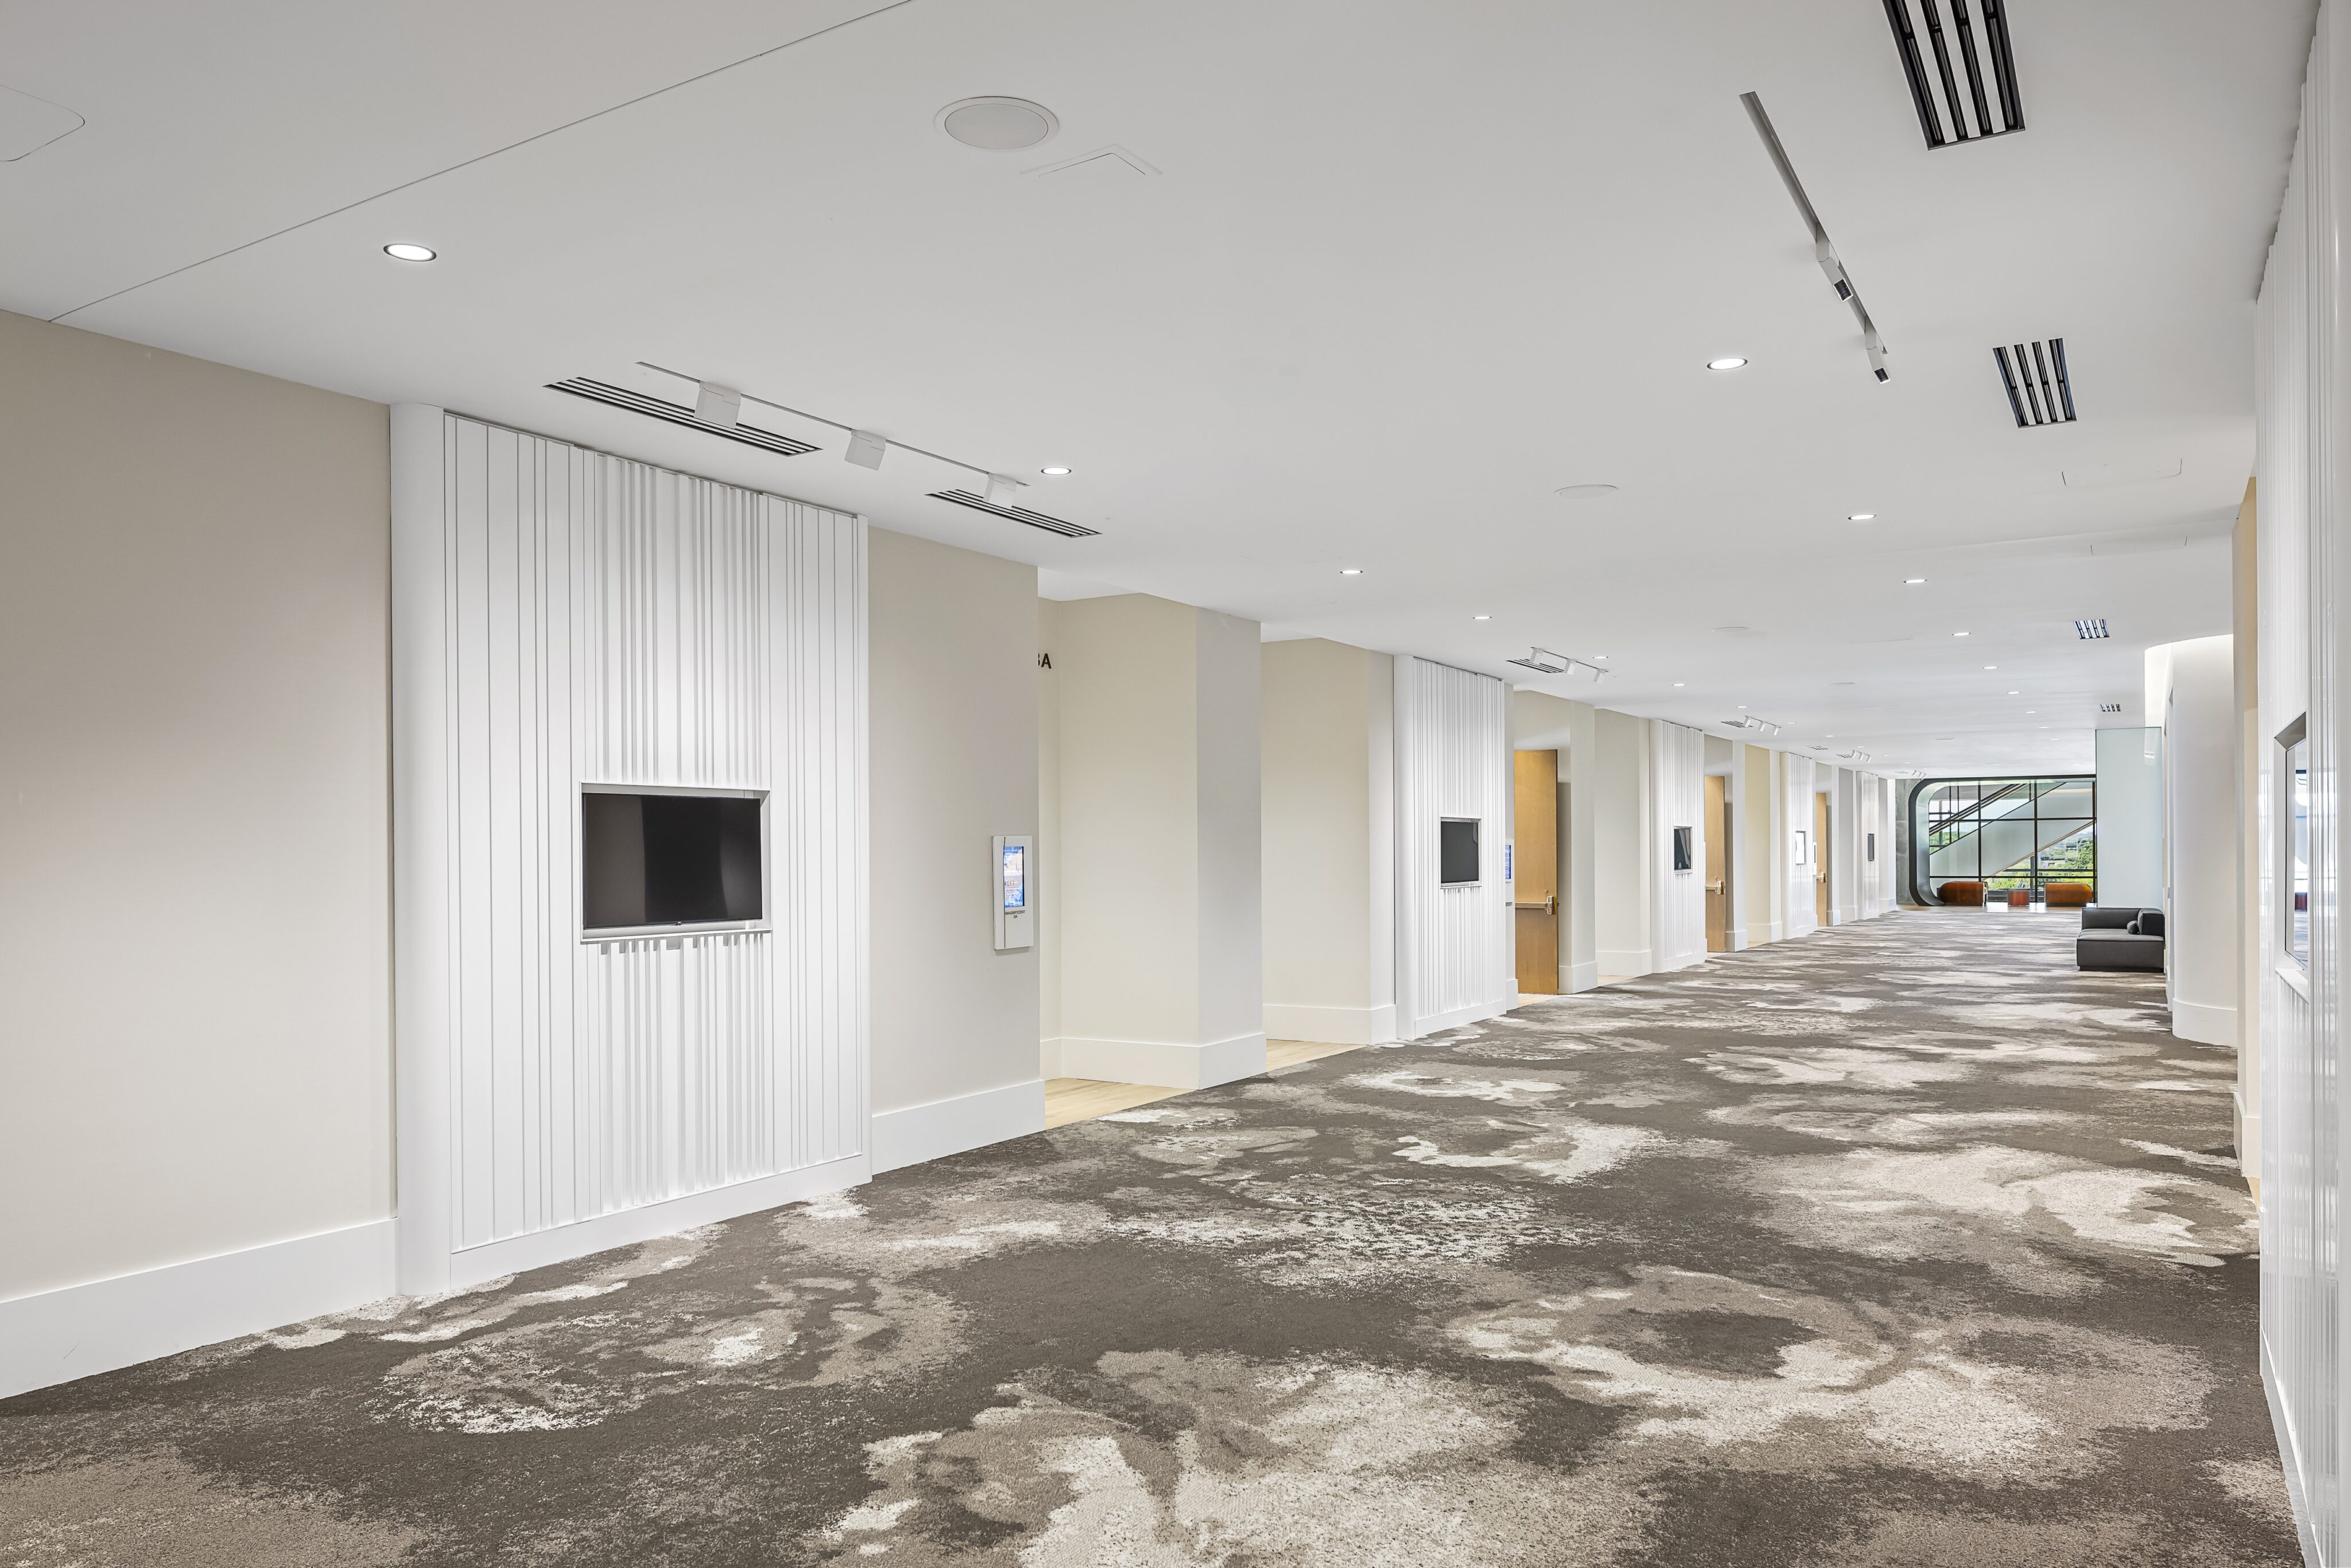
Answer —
(668, 860)
(1681, 848)
(1457, 850)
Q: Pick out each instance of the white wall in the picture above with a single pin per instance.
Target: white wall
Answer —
(195, 1057)
(1160, 859)
(1677, 800)
(2298, 385)
(2130, 817)
(2200, 841)
(1798, 783)
(1328, 724)
(1454, 945)
(1880, 869)
(953, 664)
(564, 617)
(1845, 831)
(2245, 649)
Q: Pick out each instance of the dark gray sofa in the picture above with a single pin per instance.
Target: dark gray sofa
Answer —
(2118, 939)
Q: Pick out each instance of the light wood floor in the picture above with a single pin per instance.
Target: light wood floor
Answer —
(1071, 1100)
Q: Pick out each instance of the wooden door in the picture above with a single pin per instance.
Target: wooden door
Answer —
(1821, 859)
(1535, 874)
(1717, 865)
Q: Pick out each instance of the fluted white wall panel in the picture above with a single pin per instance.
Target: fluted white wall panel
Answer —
(567, 618)
(1677, 790)
(1454, 958)
(2297, 355)
(1799, 783)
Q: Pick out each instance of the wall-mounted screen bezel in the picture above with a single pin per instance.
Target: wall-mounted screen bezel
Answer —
(762, 858)
(1459, 855)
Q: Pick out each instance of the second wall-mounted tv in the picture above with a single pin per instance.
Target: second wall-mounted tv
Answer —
(653, 861)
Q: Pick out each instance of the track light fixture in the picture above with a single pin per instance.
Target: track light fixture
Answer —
(723, 406)
(718, 405)
(1823, 253)
(1544, 661)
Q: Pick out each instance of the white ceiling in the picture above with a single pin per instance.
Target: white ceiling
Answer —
(1406, 269)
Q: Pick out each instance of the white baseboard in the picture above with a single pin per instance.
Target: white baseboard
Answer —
(2203, 1023)
(81, 1330)
(1736, 936)
(1574, 977)
(1331, 1026)
(1455, 1018)
(1775, 931)
(1048, 1057)
(2249, 1136)
(1168, 1065)
(1626, 962)
(494, 1260)
(913, 1134)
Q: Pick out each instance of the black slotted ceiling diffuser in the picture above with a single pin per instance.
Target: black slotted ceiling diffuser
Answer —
(2040, 388)
(1975, 43)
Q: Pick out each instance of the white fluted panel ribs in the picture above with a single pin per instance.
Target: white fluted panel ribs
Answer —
(1678, 782)
(1454, 959)
(610, 622)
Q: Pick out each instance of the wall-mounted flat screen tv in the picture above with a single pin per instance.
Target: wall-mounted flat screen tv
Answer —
(659, 861)
(1457, 850)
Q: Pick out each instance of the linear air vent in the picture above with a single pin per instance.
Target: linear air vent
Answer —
(2039, 389)
(1962, 73)
(2089, 631)
(1017, 514)
(680, 413)
(2110, 707)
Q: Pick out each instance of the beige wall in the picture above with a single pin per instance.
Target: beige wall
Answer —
(954, 763)
(1048, 823)
(1621, 845)
(1158, 875)
(1759, 888)
(1328, 725)
(195, 953)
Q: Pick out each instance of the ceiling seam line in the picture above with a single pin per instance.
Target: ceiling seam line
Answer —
(483, 157)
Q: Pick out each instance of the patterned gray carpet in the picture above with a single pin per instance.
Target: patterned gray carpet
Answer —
(1899, 1244)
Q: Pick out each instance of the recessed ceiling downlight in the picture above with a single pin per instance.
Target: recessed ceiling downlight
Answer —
(1728, 362)
(404, 251)
(998, 124)
(1587, 492)
(1057, 470)
(1861, 517)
